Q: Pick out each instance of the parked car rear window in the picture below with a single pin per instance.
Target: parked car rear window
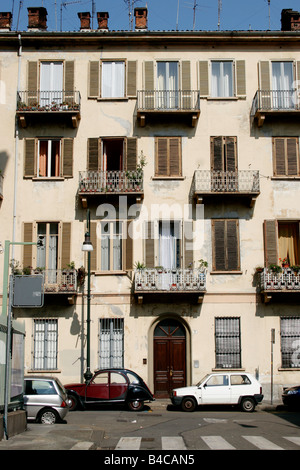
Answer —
(39, 387)
(240, 380)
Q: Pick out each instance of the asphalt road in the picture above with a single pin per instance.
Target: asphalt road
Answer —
(164, 430)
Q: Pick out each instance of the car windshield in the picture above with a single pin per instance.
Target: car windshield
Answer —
(202, 380)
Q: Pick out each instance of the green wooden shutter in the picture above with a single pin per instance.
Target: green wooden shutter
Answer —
(265, 84)
(65, 244)
(131, 77)
(68, 158)
(186, 84)
(32, 83)
(27, 249)
(149, 85)
(29, 157)
(69, 82)
(240, 78)
(94, 79)
(93, 160)
(204, 78)
(270, 241)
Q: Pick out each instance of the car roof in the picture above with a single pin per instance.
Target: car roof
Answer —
(39, 377)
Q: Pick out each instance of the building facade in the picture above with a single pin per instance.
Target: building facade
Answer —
(179, 153)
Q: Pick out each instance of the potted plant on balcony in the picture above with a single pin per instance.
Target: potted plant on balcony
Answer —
(284, 262)
(295, 268)
(203, 264)
(275, 268)
(15, 268)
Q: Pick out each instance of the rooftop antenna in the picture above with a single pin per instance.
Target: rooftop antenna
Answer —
(196, 5)
(64, 4)
(219, 13)
(269, 6)
(93, 12)
(130, 5)
(20, 6)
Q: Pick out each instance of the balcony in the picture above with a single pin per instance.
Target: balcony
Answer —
(275, 104)
(59, 281)
(279, 284)
(110, 183)
(62, 106)
(215, 185)
(185, 104)
(154, 284)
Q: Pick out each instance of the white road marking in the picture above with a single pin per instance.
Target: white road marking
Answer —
(262, 443)
(217, 443)
(173, 443)
(129, 443)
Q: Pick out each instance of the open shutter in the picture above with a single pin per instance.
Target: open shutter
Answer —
(29, 157)
(131, 153)
(216, 149)
(68, 157)
(188, 244)
(32, 83)
(149, 85)
(265, 84)
(93, 154)
(186, 84)
(232, 242)
(131, 77)
(240, 78)
(94, 79)
(69, 82)
(230, 152)
(203, 78)
(128, 248)
(27, 249)
(149, 245)
(93, 238)
(65, 244)
(270, 241)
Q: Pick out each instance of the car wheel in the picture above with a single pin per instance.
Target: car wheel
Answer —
(48, 416)
(188, 404)
(74, 402)
(248, 404)
(136, 405)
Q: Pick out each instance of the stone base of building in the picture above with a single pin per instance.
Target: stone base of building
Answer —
(16, 423)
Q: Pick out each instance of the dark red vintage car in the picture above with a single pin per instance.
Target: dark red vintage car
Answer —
(110, 386)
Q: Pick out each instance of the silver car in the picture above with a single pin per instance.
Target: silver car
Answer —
(45, 399)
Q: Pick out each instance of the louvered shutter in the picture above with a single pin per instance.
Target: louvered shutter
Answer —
(32, 83)
(131, 77)
(240, 78)
(94, 78)
(230, 149)
(186, 84)
(93, 160)
(161, 156)
(131, 153)
(286, 156)
(29, 157)
(168, 156)
(216, 145)
(128, 248)
(204, 79)
(292, 156)
(219, 253)
(270, 241)
(188, 244)
(265, 85)
(279, 156)
(149, 245)
(149, 85)
(69, 82)
(232, 243)
(93, 238)
(65, 244)
(27, 249)
(225, 245)
(67, 145)
(174, 156)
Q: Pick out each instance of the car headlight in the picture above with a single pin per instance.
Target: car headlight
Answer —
(292, 392)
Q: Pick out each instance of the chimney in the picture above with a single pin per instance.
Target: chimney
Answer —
(140, 19)
(103, 20)
(5, 21)
(85, 20)
(290, 20)
(37, 18)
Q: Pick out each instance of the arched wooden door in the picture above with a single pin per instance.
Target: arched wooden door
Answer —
(169, 357)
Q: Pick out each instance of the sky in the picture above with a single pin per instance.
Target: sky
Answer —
(163, 15)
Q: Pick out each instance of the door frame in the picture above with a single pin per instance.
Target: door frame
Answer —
(188, 361)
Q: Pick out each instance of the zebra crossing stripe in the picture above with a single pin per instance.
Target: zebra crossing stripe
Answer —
(295, 440)
(173, 443)
(129, 443)
(217, 443)
(262, 443)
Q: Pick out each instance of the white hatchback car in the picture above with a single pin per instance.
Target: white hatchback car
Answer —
(232, 388)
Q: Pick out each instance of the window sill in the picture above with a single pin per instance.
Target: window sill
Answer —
(225, 98)
(226, 272)
(48, 178)
(44, 371)
(110, 273)
(288, 369)
(112, 98)
(285, 178)
(157, 178)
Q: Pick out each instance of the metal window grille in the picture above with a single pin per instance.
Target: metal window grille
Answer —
(228, 342)
(111, 342)
(45, 344)
(290, 341)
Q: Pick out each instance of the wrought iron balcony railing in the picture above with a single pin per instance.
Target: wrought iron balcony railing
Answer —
(41, 101)
(286, 280)
(212, 181)
(169, 280)
(58, 280)
(275, 100)
(91, 182)
(168, 100)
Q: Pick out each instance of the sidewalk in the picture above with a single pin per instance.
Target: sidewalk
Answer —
(68, 436)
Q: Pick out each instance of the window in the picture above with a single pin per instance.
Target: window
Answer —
(225, 245)
(222, 79)
(110, 79)
(111, 343)
(112, 154)
(39, 387)
(224, 163)
(169, 244)
(217, 381)
(286, 156)
(45, 344)
(168, 156)
(228, 342)
(282, 241)
(48, 158)
(282, 84)
(167, 85)
(290, 341)
(47, 248)
(113, 80)
(51, 83)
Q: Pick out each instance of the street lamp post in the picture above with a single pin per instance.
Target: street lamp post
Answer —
(88, 247)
